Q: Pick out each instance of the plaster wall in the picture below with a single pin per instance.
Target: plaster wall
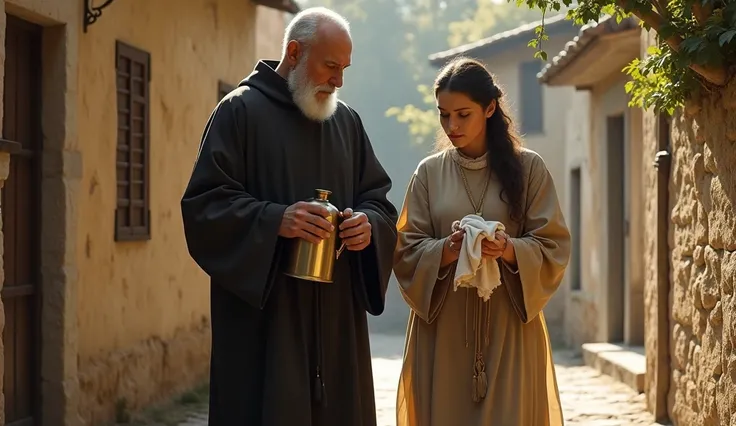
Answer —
(581, 310)
(270, 25)
(143, 307)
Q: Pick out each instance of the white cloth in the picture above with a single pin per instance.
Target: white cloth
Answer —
(472, 269)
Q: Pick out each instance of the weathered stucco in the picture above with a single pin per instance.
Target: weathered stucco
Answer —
(270, 25)
(581, 313)
(143, 306)
(703, 263)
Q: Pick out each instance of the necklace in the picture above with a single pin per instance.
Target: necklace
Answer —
(479, 207)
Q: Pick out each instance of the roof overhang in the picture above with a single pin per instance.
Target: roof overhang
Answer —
(505, 41)
(600, 50)
(289, 6)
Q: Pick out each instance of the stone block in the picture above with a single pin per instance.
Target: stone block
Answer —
(682, 305)
(685, 211)
(701, 225)
(721, 217)
(684, 239)
(707, 283)
(680, 347)
(728, 272)
(623, 363)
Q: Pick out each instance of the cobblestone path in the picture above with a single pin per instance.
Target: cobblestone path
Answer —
(588, 398)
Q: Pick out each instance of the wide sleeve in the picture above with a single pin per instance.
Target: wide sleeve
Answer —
(372, 272)
(229, 233)
(542, 248)
(418, 254)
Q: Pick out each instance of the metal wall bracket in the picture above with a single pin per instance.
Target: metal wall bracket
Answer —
(662, 161)
(91, 13)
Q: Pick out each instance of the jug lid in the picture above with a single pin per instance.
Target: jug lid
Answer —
(323, 194)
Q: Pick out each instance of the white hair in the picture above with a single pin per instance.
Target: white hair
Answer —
(303, 28)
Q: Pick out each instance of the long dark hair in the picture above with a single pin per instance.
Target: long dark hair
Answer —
(471, 78)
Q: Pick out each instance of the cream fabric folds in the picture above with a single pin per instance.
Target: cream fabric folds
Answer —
(472, 269)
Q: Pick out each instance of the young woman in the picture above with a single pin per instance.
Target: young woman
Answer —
(469, 362)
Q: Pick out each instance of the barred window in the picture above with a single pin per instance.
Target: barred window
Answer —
(132, 215)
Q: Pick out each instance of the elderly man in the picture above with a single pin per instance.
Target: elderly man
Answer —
(289, 352)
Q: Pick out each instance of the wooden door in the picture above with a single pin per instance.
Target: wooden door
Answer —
(20, 215)
(615, 154)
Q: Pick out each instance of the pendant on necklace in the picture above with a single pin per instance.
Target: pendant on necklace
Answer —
(479, 214)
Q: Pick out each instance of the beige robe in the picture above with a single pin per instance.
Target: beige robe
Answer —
(437, 384)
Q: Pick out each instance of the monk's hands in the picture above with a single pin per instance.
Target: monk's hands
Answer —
(307, 221)
(355, 230)
(494, 249)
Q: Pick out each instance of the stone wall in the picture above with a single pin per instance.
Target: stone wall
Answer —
(702, 234)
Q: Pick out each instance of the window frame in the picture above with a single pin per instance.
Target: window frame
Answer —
(529, 85)
(126, 231)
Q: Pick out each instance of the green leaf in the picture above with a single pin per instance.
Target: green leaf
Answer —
(726, 37)
(667, 30)
(692, 44)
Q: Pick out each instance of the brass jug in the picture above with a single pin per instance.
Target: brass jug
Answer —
(315, 262)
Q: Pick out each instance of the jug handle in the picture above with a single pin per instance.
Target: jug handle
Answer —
(340, 218)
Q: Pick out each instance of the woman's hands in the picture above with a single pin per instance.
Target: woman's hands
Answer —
(451, 249)
(492, 250)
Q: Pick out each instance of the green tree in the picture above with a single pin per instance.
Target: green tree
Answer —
(696, 46)
(394, 38)
(489, 17)
(434, 27)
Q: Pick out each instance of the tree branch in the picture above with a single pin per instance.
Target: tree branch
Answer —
(715, 75)
(701, 13)
(661, 7)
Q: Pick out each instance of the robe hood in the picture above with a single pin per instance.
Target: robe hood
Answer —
(266, 80)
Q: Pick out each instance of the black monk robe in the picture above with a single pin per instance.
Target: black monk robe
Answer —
(286, 352)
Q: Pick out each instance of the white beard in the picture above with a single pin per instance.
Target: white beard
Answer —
(304, 93)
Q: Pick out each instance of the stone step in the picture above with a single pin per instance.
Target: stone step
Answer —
(626, 364)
